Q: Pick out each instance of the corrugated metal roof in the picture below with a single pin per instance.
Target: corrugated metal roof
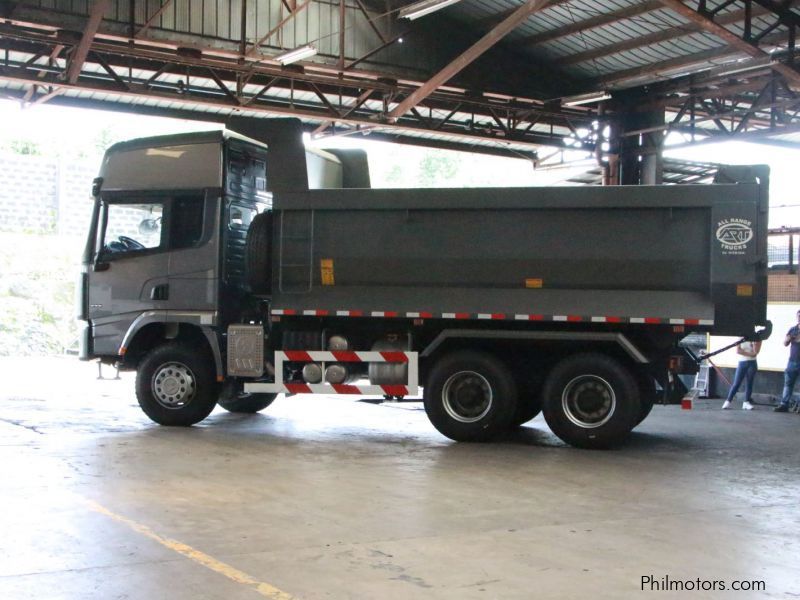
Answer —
(650, 20)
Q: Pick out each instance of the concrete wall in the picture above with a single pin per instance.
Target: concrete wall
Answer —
(45, 195)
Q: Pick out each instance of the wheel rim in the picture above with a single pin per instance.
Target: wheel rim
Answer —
(174, 385)
(467, 396)
(589, 401)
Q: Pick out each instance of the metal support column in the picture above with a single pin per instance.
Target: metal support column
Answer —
(640, 147)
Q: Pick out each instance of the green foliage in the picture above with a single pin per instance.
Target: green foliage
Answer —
(394, 176)
(437, 169)
(103, 139)
(36, 294)
(25, 147)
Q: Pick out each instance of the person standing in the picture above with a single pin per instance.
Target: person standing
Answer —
(745, 371)
(792, 340)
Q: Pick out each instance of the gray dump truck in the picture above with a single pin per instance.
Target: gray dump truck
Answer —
(222, 277)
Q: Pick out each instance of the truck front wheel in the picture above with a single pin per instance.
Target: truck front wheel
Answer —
(470, 396)
(591, 401)
(175, 385)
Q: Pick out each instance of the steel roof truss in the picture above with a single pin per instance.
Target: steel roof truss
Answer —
(373, 52)
(665, 35)
(729, 37)
(81, 51)
(468, 56)
(231, 96)
(108, 69)
(755, 106)
(593, 22)
(783, 10)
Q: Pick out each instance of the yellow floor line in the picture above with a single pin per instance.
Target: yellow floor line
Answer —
(265, 589)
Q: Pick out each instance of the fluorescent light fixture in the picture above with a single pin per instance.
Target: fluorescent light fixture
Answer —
(741, 66)
(586, 99)
(422, 8)
(290, 56)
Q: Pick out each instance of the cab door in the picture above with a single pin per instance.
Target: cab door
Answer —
(129, 271)
(192, 221)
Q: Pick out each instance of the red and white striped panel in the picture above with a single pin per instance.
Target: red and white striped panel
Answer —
(330, 388)
(411, 388)
(343, 356)
(463, 316)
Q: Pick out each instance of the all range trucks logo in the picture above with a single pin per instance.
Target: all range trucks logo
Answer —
(734, 235)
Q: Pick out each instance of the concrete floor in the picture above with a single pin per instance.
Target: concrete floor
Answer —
(331, 498)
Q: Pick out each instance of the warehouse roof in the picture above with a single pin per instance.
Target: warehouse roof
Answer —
(507, 75)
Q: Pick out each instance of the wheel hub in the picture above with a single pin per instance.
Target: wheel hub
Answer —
(174, 385)
(589, 401)
(467, 396)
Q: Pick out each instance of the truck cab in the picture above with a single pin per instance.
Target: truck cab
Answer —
(164, 258)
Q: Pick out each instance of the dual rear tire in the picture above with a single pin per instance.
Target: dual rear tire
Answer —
(470, 396)
(589, 400)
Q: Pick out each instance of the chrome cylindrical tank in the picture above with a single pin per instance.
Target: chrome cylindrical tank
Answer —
(388, 373)
(312, 373)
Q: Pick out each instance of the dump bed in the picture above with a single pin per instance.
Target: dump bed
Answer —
(691, 255)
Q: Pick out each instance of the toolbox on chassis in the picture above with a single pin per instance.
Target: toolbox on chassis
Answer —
(500, 303)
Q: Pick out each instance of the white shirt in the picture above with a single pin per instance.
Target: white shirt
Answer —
(747, 347)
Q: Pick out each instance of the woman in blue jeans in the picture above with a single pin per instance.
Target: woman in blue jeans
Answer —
(745, 371)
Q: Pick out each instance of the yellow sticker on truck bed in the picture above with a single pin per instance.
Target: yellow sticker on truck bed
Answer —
(326, 271)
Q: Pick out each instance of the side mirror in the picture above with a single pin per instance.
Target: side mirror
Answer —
(148, 226)
(764, 334)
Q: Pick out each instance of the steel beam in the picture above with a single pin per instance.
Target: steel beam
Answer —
(657, 37)
(342, 31)
(53, 55)
(164, 5)
(371, 23)
(256, 47)
(651, 72)
(593, 22)
(465, 59)
(81, 51)
(748, 136)
(781, 9)
(378, 49)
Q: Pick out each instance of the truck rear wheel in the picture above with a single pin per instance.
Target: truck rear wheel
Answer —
(234, 400)
(591, 401)
(470, 396)
(175, 385)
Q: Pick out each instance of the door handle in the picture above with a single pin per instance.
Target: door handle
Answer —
(160, 292)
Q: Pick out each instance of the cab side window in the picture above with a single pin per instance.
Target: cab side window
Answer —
(132, 227)
(186, 222)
